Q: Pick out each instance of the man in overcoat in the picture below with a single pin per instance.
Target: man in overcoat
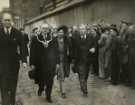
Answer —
(84, 47)
(39, 61)
(131, 54)
(12, 50)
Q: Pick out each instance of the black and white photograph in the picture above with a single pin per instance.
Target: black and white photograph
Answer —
(67, 52)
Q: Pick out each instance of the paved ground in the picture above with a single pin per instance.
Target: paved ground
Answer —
(100, 92)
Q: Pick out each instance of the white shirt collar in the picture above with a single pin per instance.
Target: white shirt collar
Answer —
(9, 29)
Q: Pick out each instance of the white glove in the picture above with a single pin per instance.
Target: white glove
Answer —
(92, 50)
(24, 65)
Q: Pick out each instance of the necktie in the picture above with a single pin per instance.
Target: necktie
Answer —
(8, 33)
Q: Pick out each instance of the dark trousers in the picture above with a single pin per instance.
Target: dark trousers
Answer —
(8, 91)
(47, 85)
(48, 89)
(8, 82)
(41, 86)
(132, 70)
(83, 72)
(125, 73)
(115, 73)
(95, 67)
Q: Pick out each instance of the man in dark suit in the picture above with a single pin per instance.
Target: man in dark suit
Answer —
(11, 51)
(93, 56)
(83, 48)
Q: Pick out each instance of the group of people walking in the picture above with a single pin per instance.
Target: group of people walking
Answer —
(105, 50)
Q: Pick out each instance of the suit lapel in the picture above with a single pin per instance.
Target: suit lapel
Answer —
(3, 33)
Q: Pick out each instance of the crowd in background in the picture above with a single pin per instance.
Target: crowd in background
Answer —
(105, 50)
